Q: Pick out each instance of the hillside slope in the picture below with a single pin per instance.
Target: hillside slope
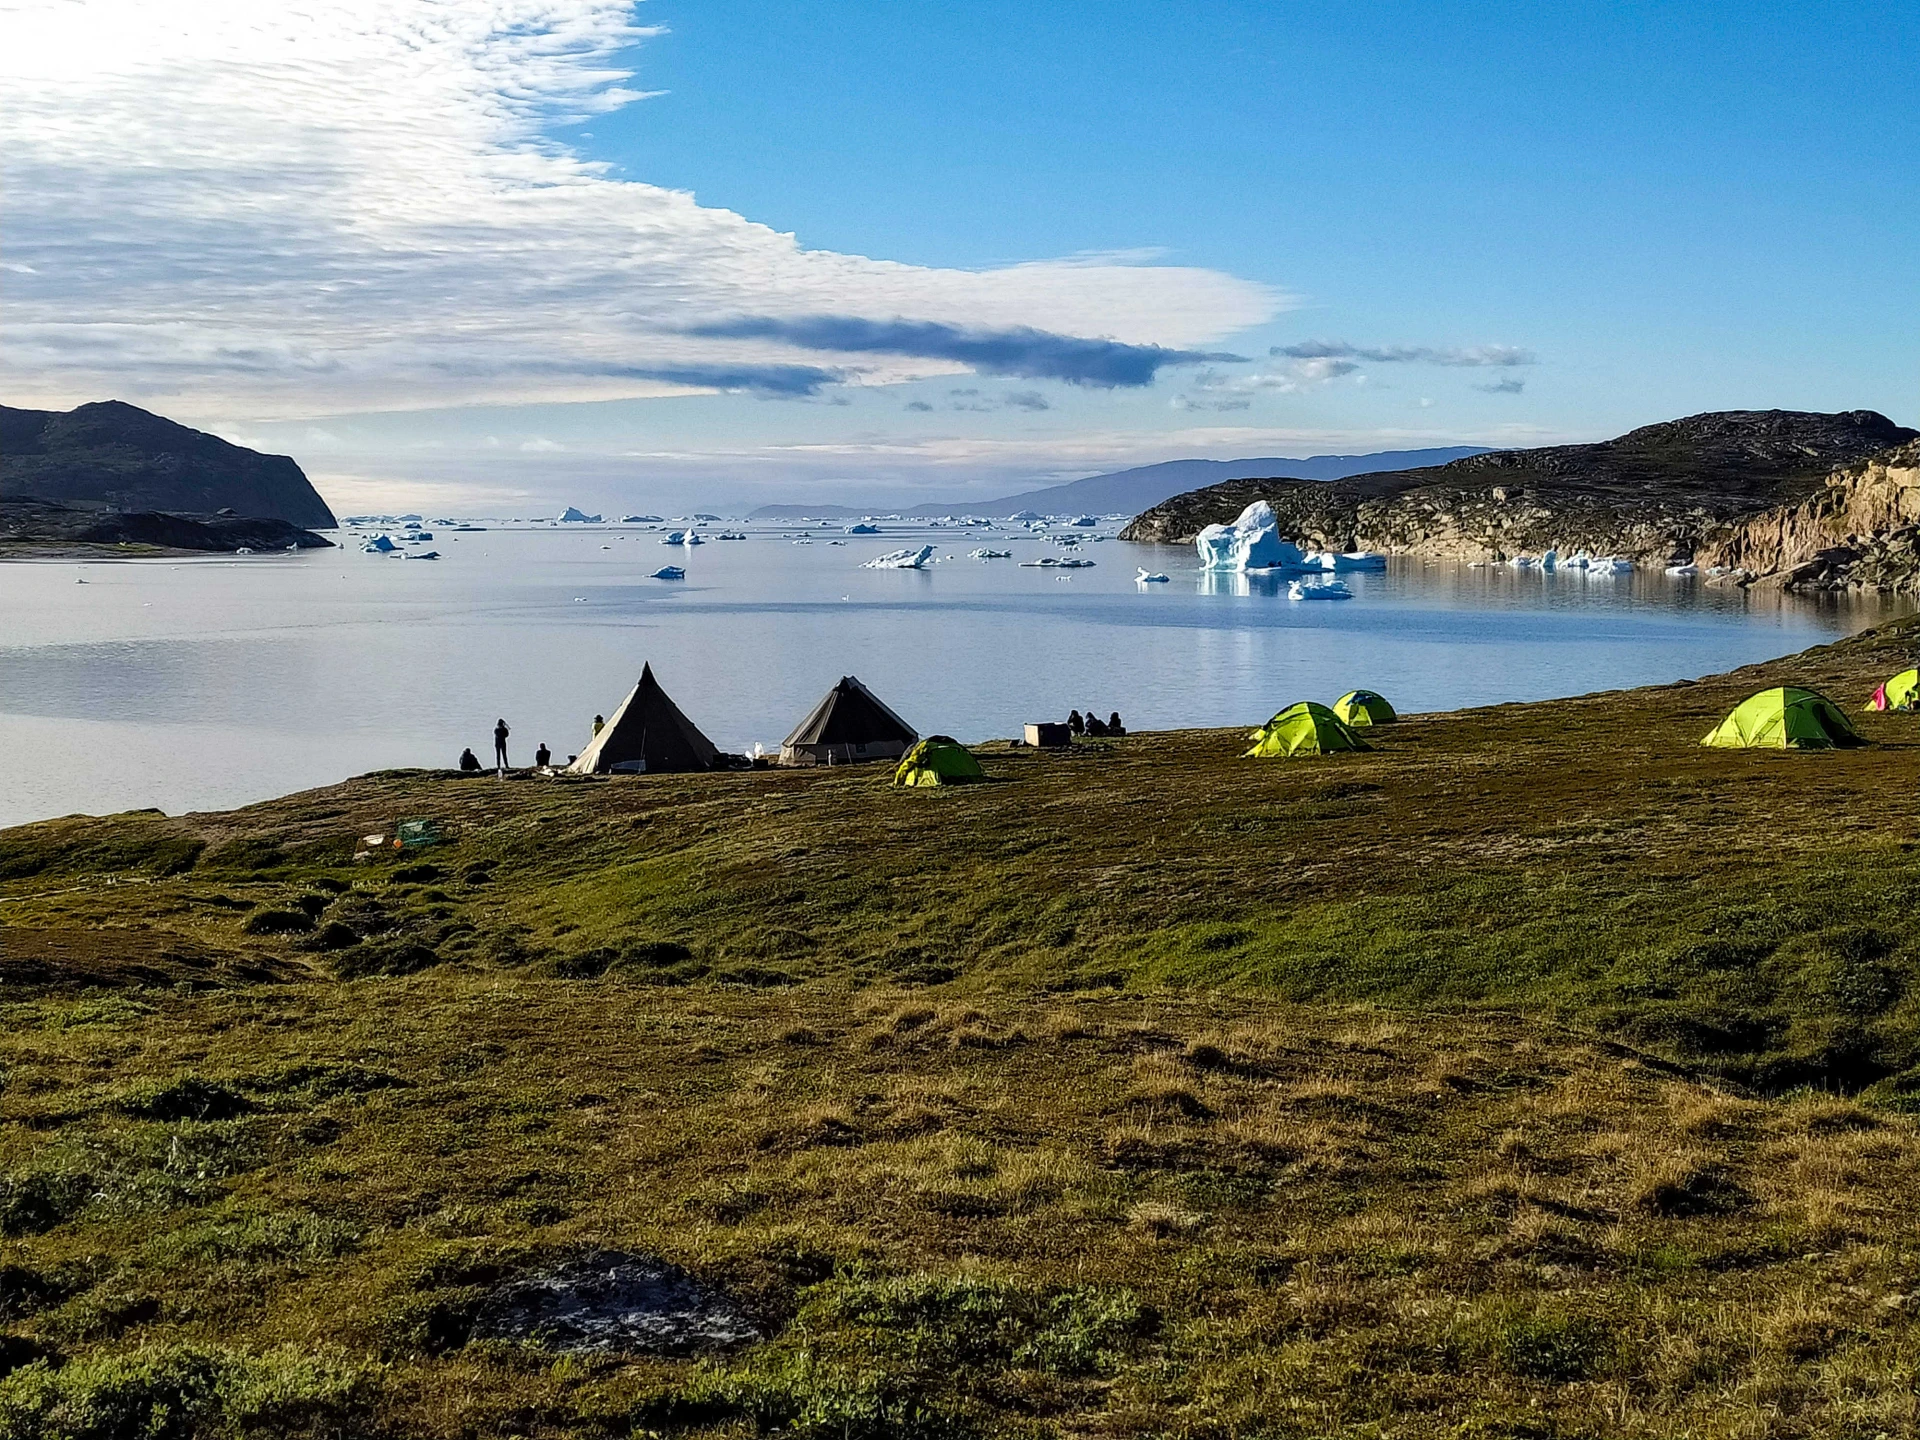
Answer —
(1660, 493)
(29, 526)
(122, 457)
(1535, 1073)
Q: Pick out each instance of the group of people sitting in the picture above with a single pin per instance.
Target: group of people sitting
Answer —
(542, 757)
(1092, 724)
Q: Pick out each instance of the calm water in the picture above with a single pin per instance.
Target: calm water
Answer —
(208, 683)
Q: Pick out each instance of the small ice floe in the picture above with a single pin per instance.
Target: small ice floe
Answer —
(1150, 577)
(379, 545)
(674, 537)
(1322, 590)
(1609, 565)
(424, 555)
(1357, 560)
(1689, 568)
(668, 572)
(731, 535)
(244, 550)
(1049, 562)
(1579, 560)
(694, 537)
(901, 559)
(640, 520)
(990, 554)
(1086, 522)
(1523, 562)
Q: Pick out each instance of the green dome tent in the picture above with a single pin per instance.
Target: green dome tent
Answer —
(1304, 729)
(1902, 692)
(938, 760)
(1364, 707)
(1784, 719)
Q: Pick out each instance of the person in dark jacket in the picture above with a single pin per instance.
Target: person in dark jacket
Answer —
(469, 760)
(500, 733)
(1095, 725)
(1075, 725)
(542, 757)
(1114, 727)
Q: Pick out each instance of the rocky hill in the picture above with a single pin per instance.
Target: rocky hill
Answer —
(29, 526)
(118, 456)
(1679, 490)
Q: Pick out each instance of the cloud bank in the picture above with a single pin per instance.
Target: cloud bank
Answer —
(1341, 350)
(354, 204)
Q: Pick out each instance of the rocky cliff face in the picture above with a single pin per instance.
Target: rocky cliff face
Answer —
(1660, 494)
(1860, 531)
(27, 526)
(121, 457)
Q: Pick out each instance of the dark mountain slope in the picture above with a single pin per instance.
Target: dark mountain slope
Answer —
(121, 457)
(1657, 492)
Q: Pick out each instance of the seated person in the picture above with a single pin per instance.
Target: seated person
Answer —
(1095, 725)
(469, 760)
(1075, 725)
(1114, 727)
(542, 757)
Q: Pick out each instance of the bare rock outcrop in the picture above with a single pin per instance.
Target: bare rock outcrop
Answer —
(1860, 531)
(1660, 494)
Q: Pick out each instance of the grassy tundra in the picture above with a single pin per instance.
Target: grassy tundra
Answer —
(1536, 1074)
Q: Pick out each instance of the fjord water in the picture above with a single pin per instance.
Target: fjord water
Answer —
(206, 683)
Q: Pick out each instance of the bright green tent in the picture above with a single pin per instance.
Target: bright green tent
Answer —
(1784, 719)
(1902, 692)
(1363, 707)
(1304, 729)
(938, 760)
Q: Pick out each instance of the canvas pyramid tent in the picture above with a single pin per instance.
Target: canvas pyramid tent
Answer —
(1304, 729)
(938, 760)
(1363, 707)
(647, 733)
(847, 726)
(1784, 719)
(1902, 692)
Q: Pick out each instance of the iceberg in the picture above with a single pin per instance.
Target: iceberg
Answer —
(573, 516)
(1024, 515)
(863, 529)
(379, 545)
(640, 520)
(1252, 542)
(1150, 577)
(1048, 562)
(694, 537)
(424, 555)
(990, 554)
(1689, 568)
(1609, 565)
(901, 559)
(1319, 590)
(1086, 522)
(668, 572)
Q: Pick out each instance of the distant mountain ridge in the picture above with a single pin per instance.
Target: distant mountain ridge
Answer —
(114, 455)
(1131, 491)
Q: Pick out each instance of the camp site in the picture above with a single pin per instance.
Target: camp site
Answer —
(963, 1087)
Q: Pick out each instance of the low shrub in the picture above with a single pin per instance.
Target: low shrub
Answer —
(186, 1097)
(278, 922)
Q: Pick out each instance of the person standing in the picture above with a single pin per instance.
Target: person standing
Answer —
(599, 724)
(500, 733)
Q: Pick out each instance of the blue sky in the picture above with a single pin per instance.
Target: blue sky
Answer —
(1502, 224)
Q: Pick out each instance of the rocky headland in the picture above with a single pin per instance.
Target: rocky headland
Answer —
(119, 457)
(1803, 500)
(39, 528)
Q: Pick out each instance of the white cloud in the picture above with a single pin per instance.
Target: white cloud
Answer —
(267, 210)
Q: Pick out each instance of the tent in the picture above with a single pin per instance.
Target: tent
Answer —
(1304, 729)
(1784, 719)
(847, 726)
(647, 733)
(938, 760)
(1363, 707)
(1902, 692)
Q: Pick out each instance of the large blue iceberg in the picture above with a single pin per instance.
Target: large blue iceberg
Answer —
(1251, 543)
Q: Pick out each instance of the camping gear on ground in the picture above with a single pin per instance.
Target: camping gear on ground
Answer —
(1364, 707)
(1902, 692)
(1784, 719)
(849, 725)
(938, 760)
(416, 835)
(1306, 728)
(646, 735)
(1049, 735)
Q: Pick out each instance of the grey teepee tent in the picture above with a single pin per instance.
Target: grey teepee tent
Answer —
(647, 733)
(847, 726)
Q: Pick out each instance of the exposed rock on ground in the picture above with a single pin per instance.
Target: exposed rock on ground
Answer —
(28, 525)
(611, 1303)
(1660, 494)
(118, 455)
(1860, 531)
